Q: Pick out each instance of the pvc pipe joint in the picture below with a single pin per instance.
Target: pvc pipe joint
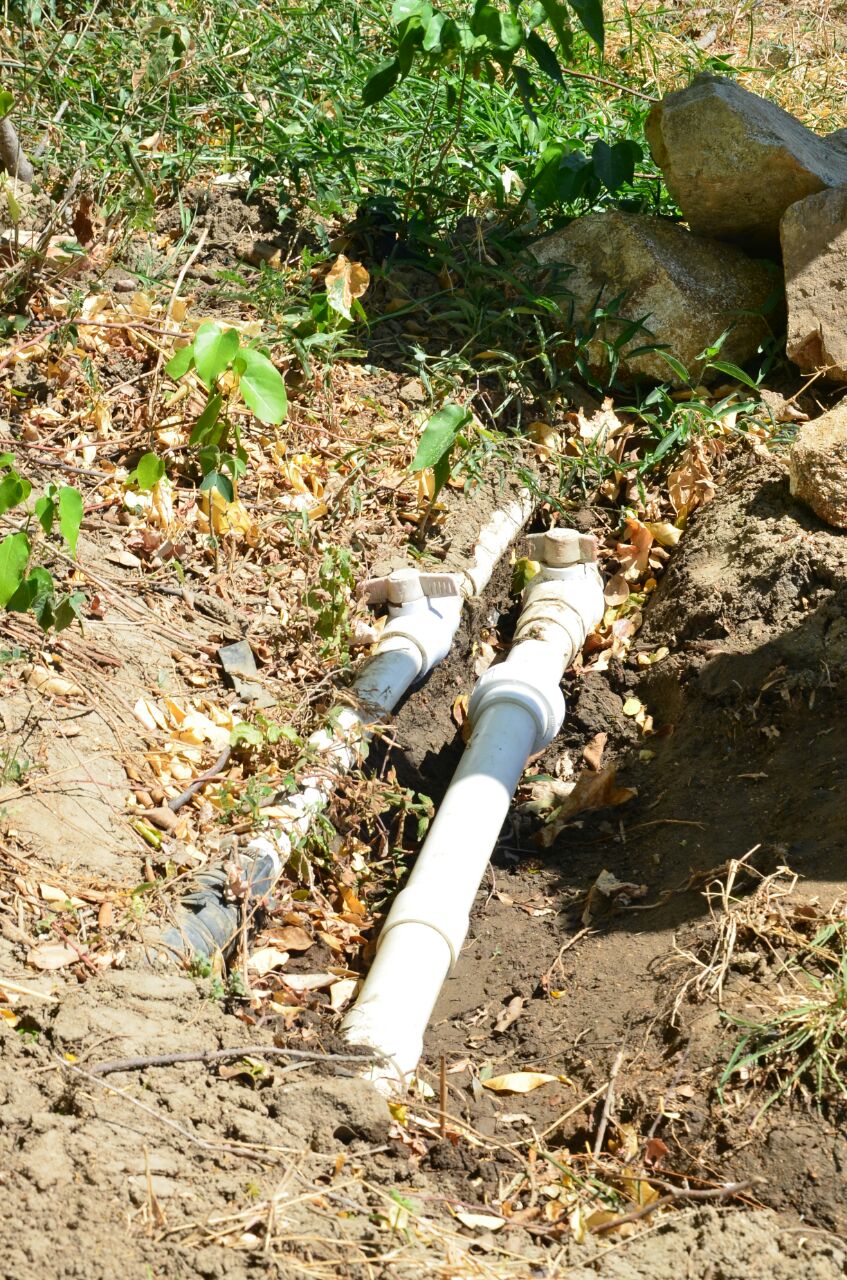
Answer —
(544, 702)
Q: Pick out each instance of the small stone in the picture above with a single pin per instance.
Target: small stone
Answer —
(814, 248)
(687, 290)
(412, 392)
(734, 162)
(818, 466)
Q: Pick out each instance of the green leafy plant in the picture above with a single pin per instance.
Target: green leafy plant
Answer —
(217, 351)
(487, 40)
(493, 44)
(330, 601)
(443, 431)
(24, 586)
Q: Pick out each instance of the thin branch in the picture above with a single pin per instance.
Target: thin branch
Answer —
(220, 1055)
(12, 155)
(608, 1104)
(726, 1192)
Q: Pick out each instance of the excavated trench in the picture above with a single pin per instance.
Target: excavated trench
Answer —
(748, 754)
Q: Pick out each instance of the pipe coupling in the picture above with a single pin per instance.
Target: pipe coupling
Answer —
(544, 702)
(429, 630)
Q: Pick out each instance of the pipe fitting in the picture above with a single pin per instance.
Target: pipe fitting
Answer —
(426, 624)
(543, 700)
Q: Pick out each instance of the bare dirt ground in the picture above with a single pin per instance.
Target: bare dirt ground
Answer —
(188, 1170)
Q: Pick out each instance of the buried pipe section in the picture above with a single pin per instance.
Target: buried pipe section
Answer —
(424, 610)
(516, 710)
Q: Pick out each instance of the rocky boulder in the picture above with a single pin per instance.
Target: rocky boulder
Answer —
(818, 466)
(734, 162)
(684, 289)
(814, 250)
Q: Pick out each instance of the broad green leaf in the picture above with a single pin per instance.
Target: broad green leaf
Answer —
(262, 387)
(7, 101)
(70, 515)
(202, 433)
(45, 512)
(68, 610)
(249, 734)
(180, 362)
(381, 82)
(557, 15)
(439, 436)
(590, 14)
(677, 365)
(217, 480)
(503, 32)
(33, 593)
(214, 349)
(7, 459)
(13, 489)
(545, 57)
(615, 165)
(403, 9)
(733, 371)
(149, 471)
(438, 30)
(14, 555)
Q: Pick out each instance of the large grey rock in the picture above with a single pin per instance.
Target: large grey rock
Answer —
(814, 250)
(687, 290)
(734, 162)
(818, 466)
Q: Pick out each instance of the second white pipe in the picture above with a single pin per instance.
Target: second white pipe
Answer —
(516, 709)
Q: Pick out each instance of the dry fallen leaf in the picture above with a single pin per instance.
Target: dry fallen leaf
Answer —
(592, 752)
(51, 955)
(616, 591)
(635, 554)
(266, 959)
(342, 992)
(308, 981)
(49, 683)
(292, 937)
(607, 892)
(592, 791)
(666, 534)
(479, 1221)
(518, 1082)
(510, 1014)
(345, 282)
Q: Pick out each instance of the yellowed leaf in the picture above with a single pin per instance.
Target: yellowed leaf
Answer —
(518, 1082)
(665, 533)
(345, 282)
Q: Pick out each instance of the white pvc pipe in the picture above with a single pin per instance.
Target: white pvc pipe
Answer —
(516, 709)
(409, 648)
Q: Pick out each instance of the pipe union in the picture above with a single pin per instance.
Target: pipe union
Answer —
(545, 704)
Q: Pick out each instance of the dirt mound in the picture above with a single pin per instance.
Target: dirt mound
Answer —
(748, 754)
